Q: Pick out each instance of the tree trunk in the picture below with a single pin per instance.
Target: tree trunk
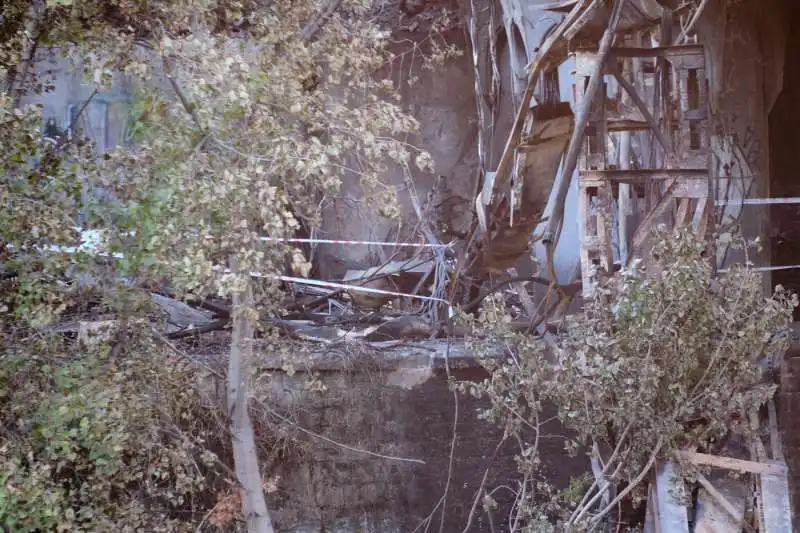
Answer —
(30, 35)
(254, 506)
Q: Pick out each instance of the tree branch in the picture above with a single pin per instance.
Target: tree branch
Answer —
(245, 457)
(30, 36)
(314, 25)
(632, 485)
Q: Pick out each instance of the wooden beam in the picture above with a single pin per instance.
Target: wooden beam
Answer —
(775, 468)
(643, 175)
(672, 516)
(682, 218)
(709, 519)
(701, 216)
(776, 508)
(621, 125)
(658, 51)
(642, 106)
(774, 434)
(649, 221)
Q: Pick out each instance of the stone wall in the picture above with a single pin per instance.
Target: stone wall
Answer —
(367, 447)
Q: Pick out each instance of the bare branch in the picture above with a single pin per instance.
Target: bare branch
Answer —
(30, 35)
(254, 506)
(314, 25)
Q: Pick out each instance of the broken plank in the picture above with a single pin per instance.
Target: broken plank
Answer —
(721, 505)
(661, 208)
(665, 143)
(774, 434)
(776, 510)
(729, 463)
(623, 124)
(682, 218)
(671, 516)
(580, 22)
(700, 219)
(644, 175)
(793, 200)
(659, 51)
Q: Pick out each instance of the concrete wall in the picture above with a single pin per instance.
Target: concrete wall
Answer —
(105, 116)
(338, 469)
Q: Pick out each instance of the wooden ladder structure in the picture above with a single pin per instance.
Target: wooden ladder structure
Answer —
(676, 184)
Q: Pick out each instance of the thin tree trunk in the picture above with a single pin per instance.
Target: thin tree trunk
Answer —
(254, 506)
(30, 35)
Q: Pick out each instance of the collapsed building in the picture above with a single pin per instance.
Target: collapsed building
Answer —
(566, 132)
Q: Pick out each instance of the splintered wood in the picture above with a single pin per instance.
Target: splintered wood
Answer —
(722, 500)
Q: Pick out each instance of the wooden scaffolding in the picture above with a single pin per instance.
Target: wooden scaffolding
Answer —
(675, 185)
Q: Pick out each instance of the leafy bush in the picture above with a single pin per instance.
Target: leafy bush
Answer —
(663, 357)
(95, 441)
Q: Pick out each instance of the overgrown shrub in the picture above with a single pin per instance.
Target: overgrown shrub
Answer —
(99, 441)
(664, 357)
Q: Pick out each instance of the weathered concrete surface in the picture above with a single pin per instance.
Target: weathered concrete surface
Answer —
(344, 440)
(735, 35)
(754, 86)
(443, 101)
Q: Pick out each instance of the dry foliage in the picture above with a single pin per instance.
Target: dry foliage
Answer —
(102, 441)
(662, 359)
(247, 118)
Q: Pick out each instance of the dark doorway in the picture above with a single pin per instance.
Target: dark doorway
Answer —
(784, 156)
